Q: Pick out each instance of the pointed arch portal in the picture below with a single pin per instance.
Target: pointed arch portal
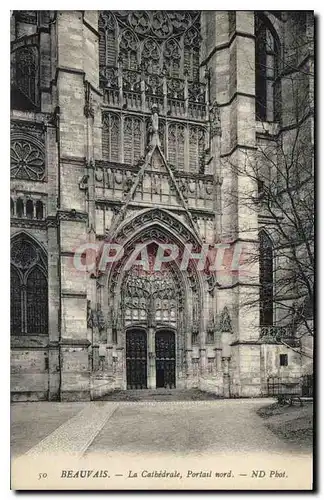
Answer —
(152, 309)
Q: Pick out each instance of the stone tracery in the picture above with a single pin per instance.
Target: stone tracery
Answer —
(27, 159)
(134, 31)
(29, 310)
(150, 296)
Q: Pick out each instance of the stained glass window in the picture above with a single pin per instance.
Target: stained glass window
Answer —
(26, 73)
(111, 137)
(36, 302)
(154, 40)
(132, 140)
(28, 287)
(266, 71)
(176, 143)
(266, 280)
(15, 302)
(196, 148)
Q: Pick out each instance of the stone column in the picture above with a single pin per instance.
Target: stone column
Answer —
(188, 348)
(76, 30)
(202, 335)
(218, 360)
(202, 360)
(109, 358)
(53, 260)
(229, 55)
(95, 357)
(109, 331)
(151, 366)
(226, 377)
(121, 373)
(189, 362)
(53, 308)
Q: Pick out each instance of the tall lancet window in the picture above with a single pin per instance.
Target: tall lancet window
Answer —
(267, 82)
(266, 280)
(28, 287)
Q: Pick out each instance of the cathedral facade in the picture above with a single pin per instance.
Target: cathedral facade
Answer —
(126, 127)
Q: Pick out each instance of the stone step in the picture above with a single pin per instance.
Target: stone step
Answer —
(159, 395)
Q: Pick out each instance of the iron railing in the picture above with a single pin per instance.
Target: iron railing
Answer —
(280, 387)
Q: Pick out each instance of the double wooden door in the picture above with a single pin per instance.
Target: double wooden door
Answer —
(136, 359)
(165, 359)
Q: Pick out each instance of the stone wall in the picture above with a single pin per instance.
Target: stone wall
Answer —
(84, 193)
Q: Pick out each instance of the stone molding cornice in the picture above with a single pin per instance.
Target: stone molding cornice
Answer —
(72, 216)
(236, 147)
(28, 223)
(68, 342)
(227, 45)
(73, 295)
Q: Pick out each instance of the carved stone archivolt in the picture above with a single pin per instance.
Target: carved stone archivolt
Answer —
(159, 216)
(187, 281)
(151, 297)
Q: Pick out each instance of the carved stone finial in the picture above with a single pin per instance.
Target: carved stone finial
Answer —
(211, 325)
(141, 161)
(215, 123)
(225, 324)
(83, 183)
(89, 314)
(195, 327)
(100, 318)
(54, 117)
(88, 101)
(95, 317)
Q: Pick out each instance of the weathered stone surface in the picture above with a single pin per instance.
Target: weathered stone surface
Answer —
(104, 179)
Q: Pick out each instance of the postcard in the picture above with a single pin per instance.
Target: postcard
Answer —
(162, 250)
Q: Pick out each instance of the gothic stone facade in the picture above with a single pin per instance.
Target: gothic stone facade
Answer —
(124, 126)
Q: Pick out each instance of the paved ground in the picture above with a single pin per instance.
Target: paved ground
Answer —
(293, 423)
(182, 427)
(32, 422)
(198, 427)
